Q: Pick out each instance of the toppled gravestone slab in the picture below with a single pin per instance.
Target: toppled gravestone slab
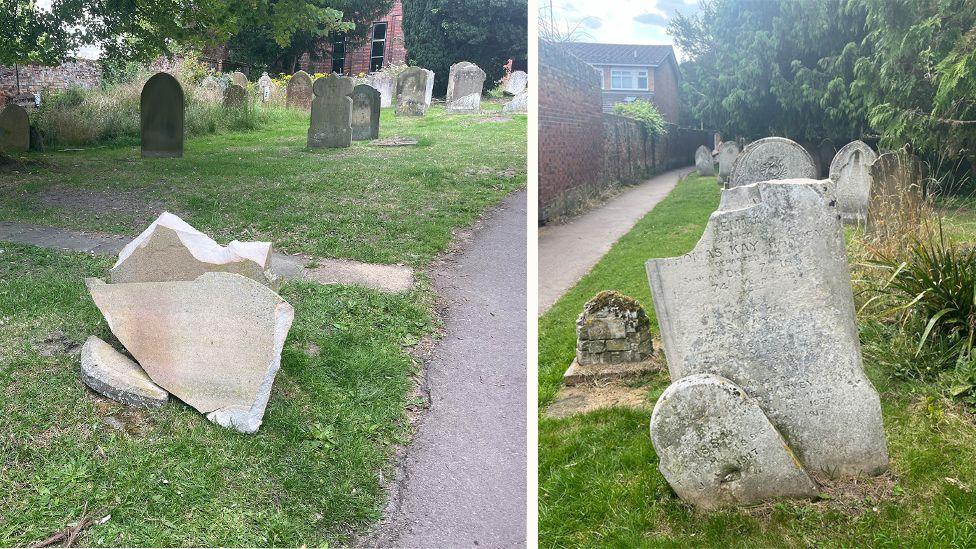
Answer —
(765, 300)
(613, 340)
(771, 158)
(519, 103)
(718, 449)
(728, 151)
(214, 342)
(704, 162)
(171, 249)
(850, 170)
(116, 376)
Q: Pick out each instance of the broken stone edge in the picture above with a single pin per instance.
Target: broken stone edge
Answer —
(578, 373)
(110, 391)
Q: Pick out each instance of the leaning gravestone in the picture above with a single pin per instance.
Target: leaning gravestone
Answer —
(850, 171)
(764, 300)
(235, 96)
(429, 92)
(519, 103)
(896, 198)
(331, 124)
(14, 129)
(239, 78)
(728, 151)
(516, 83)
(266, 87)
(772, 158)
(386, 84)
(299, 91)
(465, 85)
(411, 85)
(365, 113)
(161, 117)
(613, 339)
(704, 162)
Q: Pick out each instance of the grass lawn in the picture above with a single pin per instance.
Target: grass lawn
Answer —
(313, 474)
(598, 479)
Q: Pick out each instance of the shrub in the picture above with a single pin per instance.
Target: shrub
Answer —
(644, 112)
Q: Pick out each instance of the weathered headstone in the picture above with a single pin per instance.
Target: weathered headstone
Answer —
(239, 78)
(266, 87)
(411, 85)
(613, 339)
(896, 198)
(210, 82)
(331, 122)
(235, 96)
(386, 84)
(772, 158)
(764, 300)
(850, 171)
(704, 162)
(365, 113)
(161, 116)
(464, 88)
(14, 129)
(110, 373)
(299, 91)
(717, 448)
(429, 91)
(728, 151)
(519, 103)
(516, 83)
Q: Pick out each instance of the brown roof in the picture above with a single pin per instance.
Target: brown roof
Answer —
(620, 54)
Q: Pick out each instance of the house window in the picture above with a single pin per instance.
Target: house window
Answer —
(628, 79)
(339, 54)
(378, 47)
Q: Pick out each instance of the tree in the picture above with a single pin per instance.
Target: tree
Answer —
(32, 35)
(439, 33)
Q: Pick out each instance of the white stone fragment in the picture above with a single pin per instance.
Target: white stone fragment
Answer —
(116, 376)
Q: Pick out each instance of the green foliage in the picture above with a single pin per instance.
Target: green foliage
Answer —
(439, 33)
(31, 35)
(645, 112)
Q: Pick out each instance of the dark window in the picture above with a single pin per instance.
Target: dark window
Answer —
(378, 48)
(339, 55)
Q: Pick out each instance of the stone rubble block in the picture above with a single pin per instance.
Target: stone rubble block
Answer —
(170, 249)
(116, 376)
(214, 342)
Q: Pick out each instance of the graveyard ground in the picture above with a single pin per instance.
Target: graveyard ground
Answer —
(598, 479)
(314, 473)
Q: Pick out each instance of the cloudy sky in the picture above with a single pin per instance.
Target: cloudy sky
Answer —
(619, 21)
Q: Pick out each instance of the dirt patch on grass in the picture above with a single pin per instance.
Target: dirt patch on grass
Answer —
(141, 210)
(587, 397)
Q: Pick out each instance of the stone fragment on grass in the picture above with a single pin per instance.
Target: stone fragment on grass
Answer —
(214, 342)
(116, 376)
(717, 448)
(171, 249)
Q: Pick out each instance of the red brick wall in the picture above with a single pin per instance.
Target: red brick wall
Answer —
(36, 79)
(357, 59)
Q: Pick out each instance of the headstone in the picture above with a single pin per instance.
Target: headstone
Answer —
(411, 86)
(429, 92)
(239, 78)
(211, 83)
(235, 96)
(717, 448)
(171, 249)
(161, 117)
(772, 158)
(728, 151)
(764, 300)
(613, 333)
(114, 375)
(519, 103)
(299, 91)
(386, 84)
(365, 113)
(214, 342)
(704, 162)
(14, 129)
(465, 85)
(331, 122)
(896, 198)
(516, 83)
(850, 171)
(266, 87)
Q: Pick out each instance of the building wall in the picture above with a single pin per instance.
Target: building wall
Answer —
(357, 59)
(37, 79)
(666, 95)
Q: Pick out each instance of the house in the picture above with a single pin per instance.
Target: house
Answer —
(383, 47)
(634, 71)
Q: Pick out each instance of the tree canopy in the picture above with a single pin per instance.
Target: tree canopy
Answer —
(32, 35)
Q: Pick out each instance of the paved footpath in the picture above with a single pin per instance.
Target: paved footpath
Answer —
(568, 251)
(463, 481)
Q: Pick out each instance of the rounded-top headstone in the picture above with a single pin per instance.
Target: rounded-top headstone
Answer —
(235, 96)
(411, 87)
(850, 171)
(299, 91)
(239, 78)
(772, 158)
(14, 129)
(161, 116)
(329, 85)
(704, 162)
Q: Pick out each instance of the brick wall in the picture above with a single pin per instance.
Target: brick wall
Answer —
(36, 79)
(357, 58)
(582, 151)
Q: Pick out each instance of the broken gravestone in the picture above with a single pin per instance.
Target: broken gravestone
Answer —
(161, 117)
(170, 249)
(235, 96)
(613, 339)
(728, 151)
(298, 93)
(519, 103)
(764, 300)
(214, 342)
(769, 159)
(516, 83)
(110, 373)
(365, 113)
(704, 162)
(465, 85)
(897, 196)
(411, 86)
(14, 129)
(331, 121)
(850, 171)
